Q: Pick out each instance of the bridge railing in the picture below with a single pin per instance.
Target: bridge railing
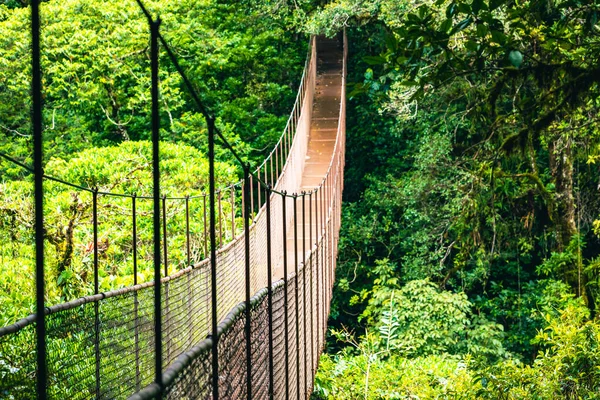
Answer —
(288, 317)
(104, 346)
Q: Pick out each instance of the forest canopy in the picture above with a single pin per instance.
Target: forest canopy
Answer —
(469, 261)
(95, 63)
(473, 147)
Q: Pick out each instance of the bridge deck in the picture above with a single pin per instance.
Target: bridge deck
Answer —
(321, 142)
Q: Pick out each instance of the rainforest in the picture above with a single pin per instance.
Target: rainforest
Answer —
(469, 253)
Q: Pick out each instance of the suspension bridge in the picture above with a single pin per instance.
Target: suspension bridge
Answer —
(247, 317)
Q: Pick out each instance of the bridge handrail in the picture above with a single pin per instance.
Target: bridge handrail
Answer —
(329, 233)
(30, 319)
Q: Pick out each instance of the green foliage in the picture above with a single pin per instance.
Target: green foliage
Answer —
(473, 134)
(365, 376)
(418, 319)
(566, 367)
(118, 169)
(97, 75)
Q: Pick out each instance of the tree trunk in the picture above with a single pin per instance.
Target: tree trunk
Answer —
(561, 168)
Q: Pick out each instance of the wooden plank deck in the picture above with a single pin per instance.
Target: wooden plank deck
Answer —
(321, 142)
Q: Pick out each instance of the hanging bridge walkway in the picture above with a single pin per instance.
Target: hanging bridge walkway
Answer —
(246, 319)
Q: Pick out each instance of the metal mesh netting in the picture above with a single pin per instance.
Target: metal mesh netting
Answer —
(232, 356)
(279, 358)
(292, 350)
(260, 357)
(102, 346)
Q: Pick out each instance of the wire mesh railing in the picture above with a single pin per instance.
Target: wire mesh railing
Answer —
(195, 332)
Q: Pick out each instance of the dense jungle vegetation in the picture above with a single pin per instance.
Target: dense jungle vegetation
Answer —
(96, 78)
(469, 258)
(469, 261)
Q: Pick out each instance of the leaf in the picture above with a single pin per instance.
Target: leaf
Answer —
(413, 18)
(477, 6)
(516, 58)
(462, 25)
(391, 42)
(482, 30)
(498, 37)
(464, 8)
(471, 45)
(409, 83)
(446, 25)
(450, 11)
(374, 60)
(494, 4)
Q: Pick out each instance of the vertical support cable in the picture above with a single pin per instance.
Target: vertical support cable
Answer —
(135, 293)
(284, 147)
(324, 217)
(96, 290)
(271, 162)
(276, 161)
(248, 327)
(134, 237)
(252, 196)
(205, 227)
(284, 141)
(312, 274)
(318, 268)
(258, 189)
(154, 27)
(190, 292)
(243, 199)
(164, 226)
(36, 122)
(166, 272)
(326, 244)
(297, 295)
(269, 291)
(213, 258)
(330, 237)
(285, 298)
(304, 288)
(232, 199)
(187, 231)
(266, 179)
(323, 264)
(282, 156)
(220, 219)
(289, 136)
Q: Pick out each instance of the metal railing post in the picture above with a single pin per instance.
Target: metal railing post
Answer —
(312, 273)
(285, 298)
(248, 326)
(213, 259)
(205, 226)
(219, 195)
(232, 212)
(164, 226)
(295, 197)
(96, 290)
(187, 231)
(135, 293)
(37, 122)
(270, 292)
(318, 269)
(304, 290)
(158, 345)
